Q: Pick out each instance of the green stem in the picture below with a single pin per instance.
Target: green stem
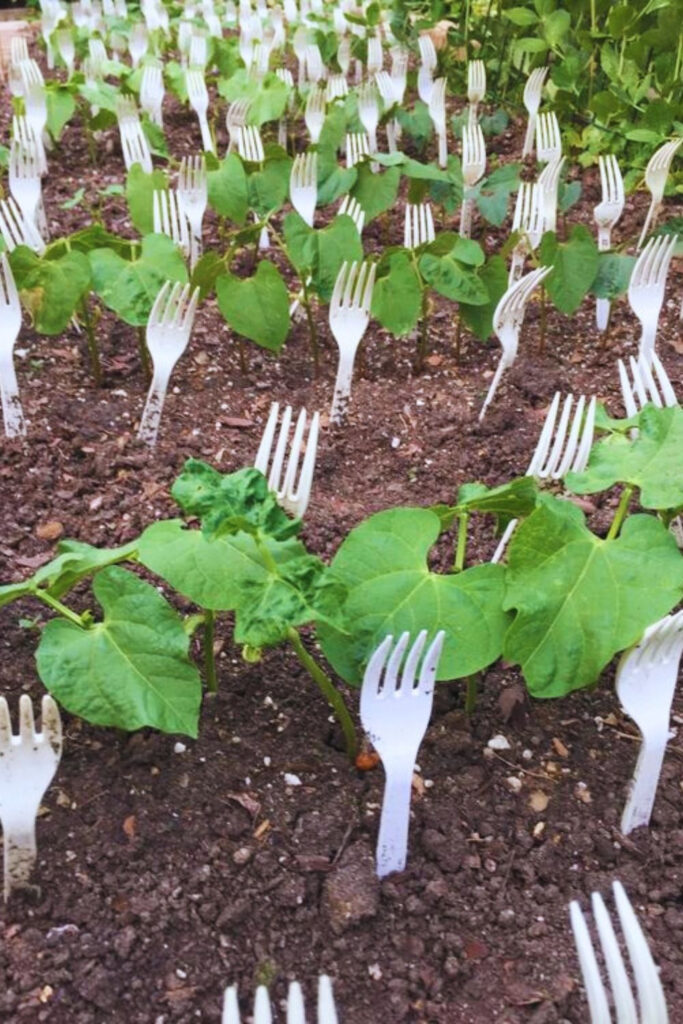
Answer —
(93, 350)
(423, 343)
(312, 329)
(329, 691)
(544, 321)
(209, 658)
(57, 606)
(471, 694)
(144, 354)
(620, 514)
(461, 546)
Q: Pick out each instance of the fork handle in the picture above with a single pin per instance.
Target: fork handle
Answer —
(12, 413)
(604, 239)
(342, 387)
(20, 852)
(392, 841)
(151, 416)
(443, 149)
(282, 132)
(649, 222)
(466, 212)
(643, 787)
(602, 308)
(528, 147)
(207, 141)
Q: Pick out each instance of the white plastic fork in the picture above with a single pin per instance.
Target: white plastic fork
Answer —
(152, 93)
(642, 387)
(35, 99)
(385, 87)
(349, 318)
(473, 167)
(303, 186)
(395, 715)
(315, 69)
(548, 139)
(560, 449)
(134, 144)
(336, 89)
(28, 762)
(606, 214)
(357, 147)
(352, 208)
(368, 112)
(437, 113)
(399, 72)
(428, 62)
(646, 682)
(198, 97)
(23, 132)
(236, 118)
(507, 323)
(375, 59)
(314, 114)
(533, 90)
(24, 181)
(10, 325)
(170, 219)
(646, 288)
(529, 220)
(138, 41)
(192, 200)
(327, 1013)
(168, 333)
(476, 86)
(292, 495)
(67, 49)
(16, 230)
(651, 1002)
(418, 227)
(548, 184)
(656, 173)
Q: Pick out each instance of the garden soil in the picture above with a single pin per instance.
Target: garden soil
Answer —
(169, 868)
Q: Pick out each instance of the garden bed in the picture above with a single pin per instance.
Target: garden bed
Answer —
(168, 871)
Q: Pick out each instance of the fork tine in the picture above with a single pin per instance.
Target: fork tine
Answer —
(621, 989)
(327, 1013)
(411, 663)
(543, 443)
(335, 301)
(560, 437)
(288, 484)
(27, 728)
(265, 447)
(280, 449)
(667, 391)
(369, 288)
(5, 725)
(51, 722)
(373, 672)
(295, 1004)
(649, 987)
(350, 280)
(572, 441)
(8, 282)
(394, 664)
(159, 303)
(303, 491)
(360, 282)
(627, 391)
(586, 444)
(430, 665)
(262, 1010)
(595, 990)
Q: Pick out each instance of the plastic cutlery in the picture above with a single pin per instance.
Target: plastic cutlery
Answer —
(656, 173)
(349, 318)
(533, 90)
(646, 288)
(262, 1014)
(292, 495)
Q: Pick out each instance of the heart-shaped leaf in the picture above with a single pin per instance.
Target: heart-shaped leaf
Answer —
(256, 307)
(129, 287)
(50, 287)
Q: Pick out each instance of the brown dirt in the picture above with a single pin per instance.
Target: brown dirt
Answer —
(166, 875)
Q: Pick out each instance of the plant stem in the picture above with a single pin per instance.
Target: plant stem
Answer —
(312, 329)
(458, 332)
(329, 691)
(144, 354)
(423, 343)
(57, 606)
(471, 694)
(620, 514)
(461, 546)
(244, 365)
(544, 321)
(209, 658)
(93, 350)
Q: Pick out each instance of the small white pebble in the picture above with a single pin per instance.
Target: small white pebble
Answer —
(498, 742)
(267, 761)
(527, 754)
(180, 973)
(375, 971)
(179, 748)
(514, 783)
(395, 442)
(292, 780)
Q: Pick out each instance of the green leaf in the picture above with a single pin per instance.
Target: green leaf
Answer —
(139, 196)
(268, 185)
(383, 563)
(580, 599)
(73, 563)
(129, 287)
(129, 671)
(494, 277)
(228, 189)
(256, 307)
(613, 276)
(397, 295)
(520, 16)
(651, 462)
(155, 137)
(512, 500)
(61, 107)
(575, 264)
(376, 193)
(493, 193)
(76, 199)
(449, 277)
(267, 96)
(50, 287)
(416, 123)
(569, 195)
(206, 272)
(319, 253)
(231, 502)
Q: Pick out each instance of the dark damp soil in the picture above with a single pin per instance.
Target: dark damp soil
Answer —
(167, 872)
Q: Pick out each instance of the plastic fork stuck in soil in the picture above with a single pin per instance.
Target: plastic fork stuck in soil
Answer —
(296, 1013)
(28, 762)
(395, 715)
(293, 496)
